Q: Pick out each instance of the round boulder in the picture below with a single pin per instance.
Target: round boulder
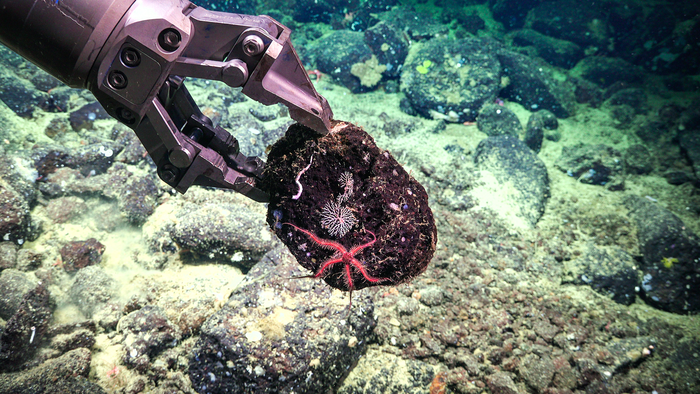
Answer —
(346, 209)
(451, 79)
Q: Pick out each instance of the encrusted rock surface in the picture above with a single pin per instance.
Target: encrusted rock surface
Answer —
(281, 334)
(81, 254)
(522, 175)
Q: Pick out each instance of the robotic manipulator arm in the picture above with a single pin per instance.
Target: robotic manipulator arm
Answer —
(133, 55)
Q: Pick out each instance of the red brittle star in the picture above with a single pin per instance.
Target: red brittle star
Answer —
(344, 256)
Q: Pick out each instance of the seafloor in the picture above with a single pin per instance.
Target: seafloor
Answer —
(562, 161)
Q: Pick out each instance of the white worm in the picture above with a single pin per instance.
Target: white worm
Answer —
(31, 339)
(301, 188)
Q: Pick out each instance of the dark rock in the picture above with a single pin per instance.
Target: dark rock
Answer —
(432, 296)
(84, 117)
(277, 334)
(622, 116)
(633, 97)
(14, 210)
(217, 225)
(587, 92)
(628, 351)
(674, 177)
(496, 119)
(512, 13)
(690, 117)
(67, 337)
(638, 160)
(501, 383)
(132, 151)
(366, 14)
(265, 113)
(44, 82)
(671, 54)
(92, 159)
(545, 329)
(20, 96)
(46, 162)
(392, 86)
(63, 209)
(470, 22)
(315, 10)
(406, 107)
(92, 288)
(627, 22)
(17, 175)
(8, 256)
(559, 53)
(29, 260)
(65, 374)
(417, 25)
(57, 128)
(233, 7)
(10, 59)
(582, 23)
(670, 263)
(680, 83)
(136, 195)
(684, 360)
(589, 371)
(532, 84)
(14, 284)
(690, 146)
(537, 372)
(23, 332)
(593, 164)
(652, 131)
(394, 127)
(670, 113)
(390, 46)
(550, 123)
(565, 375)
(535, 130)
(254, 136)
(62, 99)
(365, 198)
(442, 83)
(386, 373)
(605, 71)
(147, 332)
(611, 272)
(335, 54)
(513, 163)
(80, 254)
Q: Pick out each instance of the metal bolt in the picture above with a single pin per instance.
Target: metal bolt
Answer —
(181, 157)
(125, 116)
(117, 79)
(253, 45)
(130, 57)
(169, 40)
(168, 175)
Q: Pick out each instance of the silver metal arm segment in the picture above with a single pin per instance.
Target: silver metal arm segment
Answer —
(134, 55)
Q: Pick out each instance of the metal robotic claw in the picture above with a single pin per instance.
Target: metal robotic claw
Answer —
(134, 55)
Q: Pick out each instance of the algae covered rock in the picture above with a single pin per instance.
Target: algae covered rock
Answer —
(441, 82)
(346, 209)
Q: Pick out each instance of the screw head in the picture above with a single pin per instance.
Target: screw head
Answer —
(168, 173)
(130, 57)
(117, 79)
(125, 116)
(169, 40)
(253, 45)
